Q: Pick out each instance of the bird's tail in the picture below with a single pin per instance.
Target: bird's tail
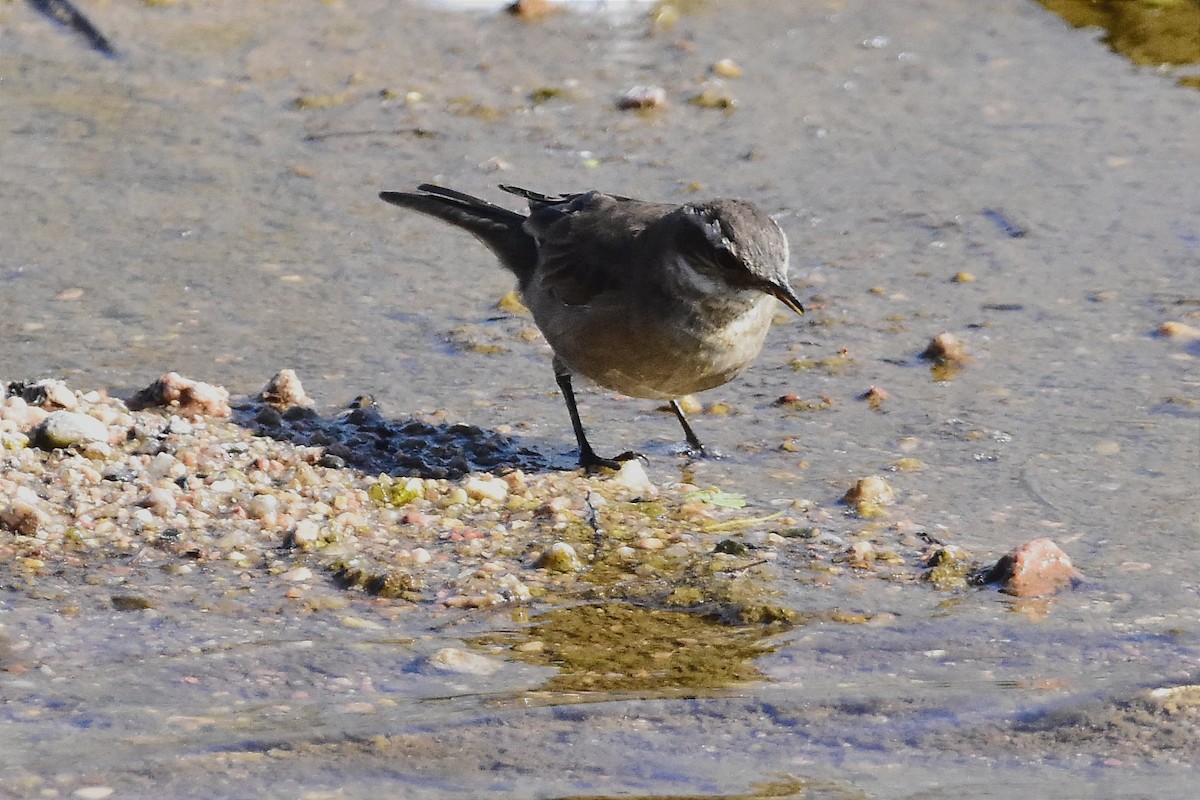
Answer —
(499, 228)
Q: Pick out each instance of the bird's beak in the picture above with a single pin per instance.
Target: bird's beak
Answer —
(785, 295)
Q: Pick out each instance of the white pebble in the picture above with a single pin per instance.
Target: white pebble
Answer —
(297, 574)
(65, 428)
(306, 532)
(478, 488)
(165, 465)
(463, 662)
(262, 506)
(161, 501)
(632, 475)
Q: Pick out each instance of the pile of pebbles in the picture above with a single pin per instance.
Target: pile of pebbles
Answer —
(179, 478)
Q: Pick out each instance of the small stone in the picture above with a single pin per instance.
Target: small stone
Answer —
(1034, 569)
(861, 553)
(559, 557)
(262, 506)
(649, 543)
(1178, 330)
(874, 397)
(946, 348)
(284, 391)
(480, 488)
(67, 428)
(297, 574)
(869, 495)
(530, 10)
(713, 97)
(949, 567)
(307, 533)
(50, 394)
(130, 602)
(642, 98)
(963, 277)
(23, 514)
(727, 68)
(160, 500)
(93, 792)
(21, 415)
(165, 465)
(463, 662)
(632, 475)
(189, 398)
(731, 547)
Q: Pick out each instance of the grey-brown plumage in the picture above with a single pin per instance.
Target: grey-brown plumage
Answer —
(647, 299)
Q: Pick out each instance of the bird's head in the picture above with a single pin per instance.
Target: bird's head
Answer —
(738, 243)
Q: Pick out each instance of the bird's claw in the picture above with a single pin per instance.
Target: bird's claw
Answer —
(593, 463)
(702, 453)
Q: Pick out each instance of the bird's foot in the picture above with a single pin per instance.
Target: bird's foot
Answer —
(594, 463)
(702, 453)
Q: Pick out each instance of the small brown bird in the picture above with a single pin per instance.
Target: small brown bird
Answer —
(647, 299)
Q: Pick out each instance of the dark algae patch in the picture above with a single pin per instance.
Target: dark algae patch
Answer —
(1152, 33)
(621, 647)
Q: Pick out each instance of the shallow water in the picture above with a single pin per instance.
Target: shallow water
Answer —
(175, 208)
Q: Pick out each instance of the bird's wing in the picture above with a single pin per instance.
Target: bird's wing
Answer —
(586, 244)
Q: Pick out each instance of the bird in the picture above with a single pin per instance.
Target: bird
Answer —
(651, 300)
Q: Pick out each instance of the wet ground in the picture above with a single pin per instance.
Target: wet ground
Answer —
(206, 202)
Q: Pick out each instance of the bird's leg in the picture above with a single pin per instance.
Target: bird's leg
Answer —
(695, 446)
(587, 456)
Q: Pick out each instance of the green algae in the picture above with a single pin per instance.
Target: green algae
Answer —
(616, 646)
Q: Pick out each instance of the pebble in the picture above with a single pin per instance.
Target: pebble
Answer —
(642, 97)
(297, 574)
(463, 662)
(186, 397)
(1034, 569)
(1178, 330)
(22, 515)
(262, 506)
(479, 488)
(861, 552)
(868, 496)
(307, 532)
(161, 501)
(165, 465)
(51, 394)
(67, 428)
(946, 348)
(727, 68)
(632, 475)
(559, 557)
(284, 391)
(93, 792)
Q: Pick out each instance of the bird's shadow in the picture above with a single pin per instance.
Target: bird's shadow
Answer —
(363, 438)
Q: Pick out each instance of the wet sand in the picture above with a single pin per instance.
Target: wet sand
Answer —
(207, 203)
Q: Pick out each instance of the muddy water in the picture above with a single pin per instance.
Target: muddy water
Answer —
(206, 202)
